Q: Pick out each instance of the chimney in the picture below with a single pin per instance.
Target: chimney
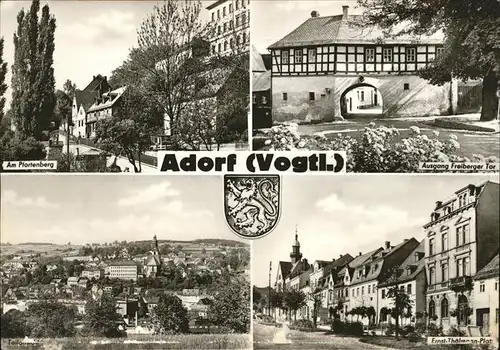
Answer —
(405, 240)
(340, 255)
(438, 204)
(314, 14)
(333, 259)
(345, 12)
(360, 253)
(387, 244)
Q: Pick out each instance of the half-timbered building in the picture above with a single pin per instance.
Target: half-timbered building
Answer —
(334, 66)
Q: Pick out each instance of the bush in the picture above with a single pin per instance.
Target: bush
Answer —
(303, 324)
(391, 330)
(421, 327)
(414, 337)
(434, 331)
(354, 328)
(337, 326)
(455, 332)
(407, 330)
(377, 149)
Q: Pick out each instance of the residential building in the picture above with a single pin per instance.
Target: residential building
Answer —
(334, 67)
(230, 22)
(81, 258)
(485, 298)
(410, 278)
(83, 100)
(72, 281)
(104, 106)
(125, 270)
(377, 269)
(92, 272)
(461, 239)
(261, 91)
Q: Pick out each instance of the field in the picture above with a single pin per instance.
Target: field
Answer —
(189, 341)
(42, 248)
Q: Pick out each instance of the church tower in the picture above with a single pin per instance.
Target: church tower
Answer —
(295, 255)
(156, 250)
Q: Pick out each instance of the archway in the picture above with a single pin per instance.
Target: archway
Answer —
(463, 310)
(361, 100)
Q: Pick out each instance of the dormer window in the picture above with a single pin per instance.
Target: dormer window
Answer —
(416, 257)
(447, 210)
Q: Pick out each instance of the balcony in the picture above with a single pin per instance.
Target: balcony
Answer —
(460, 281)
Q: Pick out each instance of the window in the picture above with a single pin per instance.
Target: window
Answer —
(218, 14)
(284, 57)
(243, 19)
(285, 96)
(432, 276)
(369, 289)
(444, 242)
(218, 30)
(496, 318)
(362, 290)
(370, 55)
(410, 54)
(219, 46)
(225, 27)
(463, 235)
(213, 16)
(311, 96)
(481, 287)
(387, 55)
(444, 272)
(444, 307)
(431, 246)
(225, 45)
(406, 86)
(311, 55)
(298, 56)
(244, 38)
(383, 293)
(238, 4)
(231, 24)
(238, 21)
(230, 8)
(439, 51)
(432, 308)
(357, 292)
(362, 96)
(224, 11)
(408, 289)
(264, 100)
(496, 285)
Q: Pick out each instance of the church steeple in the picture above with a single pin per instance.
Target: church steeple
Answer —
(295, 255)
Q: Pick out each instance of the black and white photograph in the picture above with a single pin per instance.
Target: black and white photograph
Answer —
(371, 262)
(102, 86)
(121, 262)
(393, 83)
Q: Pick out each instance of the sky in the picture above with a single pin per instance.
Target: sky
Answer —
(272, 20)
(92, 37)
(102, 208)
(351, 214)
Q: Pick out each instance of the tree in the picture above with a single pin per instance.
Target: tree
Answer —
(170, 316)
(471, 47)
(294, 300)
(231, 303)
(70, 88)
(101, 318)
(315, 298)
(13, 147)
(276, 300)
(129, 131)
(3, 86)
(64, 106)
(50, 319)
(172, 51)
(256, 298)
(13, 324)
(33, 97)
(401, 301)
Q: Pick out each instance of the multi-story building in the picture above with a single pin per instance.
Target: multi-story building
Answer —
(462, 236)
(83, 100)
(92, 272)
(124, 270)
(105, 106)
(485, 298)
(409, 277)
(338, 285)
(230, 21)
(333, 67)
(375, 270)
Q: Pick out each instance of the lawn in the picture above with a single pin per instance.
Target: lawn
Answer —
(187, 341)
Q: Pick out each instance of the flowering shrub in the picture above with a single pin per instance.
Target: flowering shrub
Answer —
(377, 150)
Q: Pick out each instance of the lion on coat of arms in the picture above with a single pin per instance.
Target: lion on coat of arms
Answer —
(256, 204)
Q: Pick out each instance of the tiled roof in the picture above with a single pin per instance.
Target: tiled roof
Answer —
(378, 260)
(122, 263)
(285, 267)
(338, 30)
(257, 61)
(94, 83)
(261, 81)
(410, 263)
(490, 270)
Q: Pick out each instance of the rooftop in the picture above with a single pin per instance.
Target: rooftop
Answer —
(490, 270)
(344, 29)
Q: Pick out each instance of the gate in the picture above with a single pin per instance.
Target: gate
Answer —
(469, 98)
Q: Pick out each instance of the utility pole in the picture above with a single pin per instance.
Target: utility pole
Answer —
(269, 294)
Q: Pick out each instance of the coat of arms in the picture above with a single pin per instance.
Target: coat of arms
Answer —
(252, 204)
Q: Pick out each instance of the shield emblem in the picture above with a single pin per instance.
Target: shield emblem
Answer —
(252, 204)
